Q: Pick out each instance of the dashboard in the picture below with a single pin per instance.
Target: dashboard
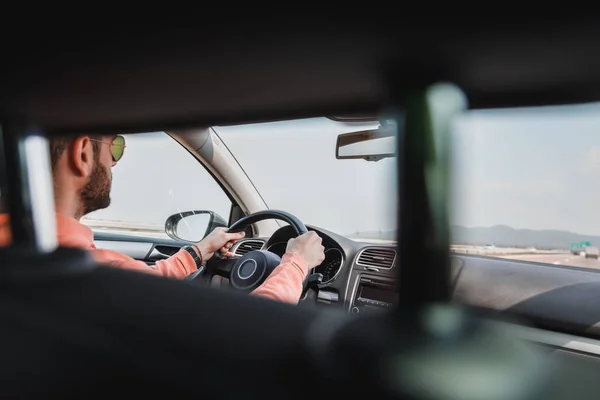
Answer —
(330, 267)
(357, 276)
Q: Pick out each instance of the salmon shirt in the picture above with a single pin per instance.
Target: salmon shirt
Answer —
(284, 284)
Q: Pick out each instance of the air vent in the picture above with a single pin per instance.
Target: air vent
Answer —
(377, 257)
(248, 246)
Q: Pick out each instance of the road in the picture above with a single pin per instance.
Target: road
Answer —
(556, 259)
(488, 251)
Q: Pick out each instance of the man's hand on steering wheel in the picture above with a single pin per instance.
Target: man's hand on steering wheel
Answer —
(220, 240)
(249, 271)
(308, 246)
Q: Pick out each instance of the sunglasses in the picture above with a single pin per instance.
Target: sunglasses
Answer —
(117, 147)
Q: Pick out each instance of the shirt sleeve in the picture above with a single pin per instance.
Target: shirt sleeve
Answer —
(178, 266)
(285, 282)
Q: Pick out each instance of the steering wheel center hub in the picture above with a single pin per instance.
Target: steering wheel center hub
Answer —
(251, 270)
(247, 269)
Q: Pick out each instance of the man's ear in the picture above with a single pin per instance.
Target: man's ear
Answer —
(81, 155)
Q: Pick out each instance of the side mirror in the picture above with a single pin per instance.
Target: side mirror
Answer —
(193, 226)
(371, 145)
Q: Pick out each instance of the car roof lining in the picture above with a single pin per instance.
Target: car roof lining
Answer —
(139, 78)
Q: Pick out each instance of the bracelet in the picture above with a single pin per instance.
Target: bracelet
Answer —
(195, 255)
(199, 253)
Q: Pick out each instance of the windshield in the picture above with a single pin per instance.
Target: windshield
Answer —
(294, 167)
(526, 184)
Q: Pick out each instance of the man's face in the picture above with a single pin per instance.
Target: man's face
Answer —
(95, 195)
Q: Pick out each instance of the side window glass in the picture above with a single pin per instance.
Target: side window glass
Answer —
(156, 177)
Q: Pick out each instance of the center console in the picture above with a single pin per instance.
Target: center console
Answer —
(372, 294)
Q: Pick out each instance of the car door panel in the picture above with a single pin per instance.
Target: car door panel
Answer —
(140, 248)
(137, 250)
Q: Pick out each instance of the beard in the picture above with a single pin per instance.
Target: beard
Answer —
(95, 195)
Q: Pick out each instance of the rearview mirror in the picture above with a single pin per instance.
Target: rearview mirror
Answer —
(193, 226)
(371, 145)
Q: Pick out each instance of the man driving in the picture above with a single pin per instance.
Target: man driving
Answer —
(82, 183)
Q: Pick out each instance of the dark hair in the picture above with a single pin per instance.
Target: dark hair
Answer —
(58, 145)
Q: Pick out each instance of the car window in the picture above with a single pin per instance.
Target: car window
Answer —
(526, 184)
(156, 177)
(293, 165)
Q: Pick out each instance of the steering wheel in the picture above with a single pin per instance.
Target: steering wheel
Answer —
(248, 272)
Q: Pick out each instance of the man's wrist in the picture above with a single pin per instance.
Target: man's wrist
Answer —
(198, 248)
(193, 252)
(298, 260)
